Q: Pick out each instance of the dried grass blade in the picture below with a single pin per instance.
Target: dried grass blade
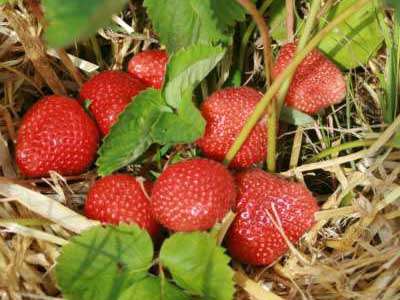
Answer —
(46, 207)
(32, 233)
(253, 288)
(34, 49)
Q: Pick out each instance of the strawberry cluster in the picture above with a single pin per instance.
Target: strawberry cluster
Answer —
(57, 134)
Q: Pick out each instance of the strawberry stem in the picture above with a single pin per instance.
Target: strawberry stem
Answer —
(290, 20)
(273, 117)
(308, 27)
(264, 31)
(247, 35)
(274, 88)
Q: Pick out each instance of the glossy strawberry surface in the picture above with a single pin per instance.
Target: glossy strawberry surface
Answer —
(193, 195)
(56, 135)
(119, 198)
(253, 238)
(109, 92)
(226, 112)
(316, 84)
(149, 66)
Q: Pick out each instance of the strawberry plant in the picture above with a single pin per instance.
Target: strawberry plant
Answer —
(169, 149)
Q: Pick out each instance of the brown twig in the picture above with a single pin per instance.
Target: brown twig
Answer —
(22, 76)
(325, 8)
(264, 32)
(76, 75)
(290, 20)
(9, 123)
(35, 8)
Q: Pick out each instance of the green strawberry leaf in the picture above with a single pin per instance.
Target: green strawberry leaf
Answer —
(390, 78)
(354, 41)
(184, 126)
(7, 1)
(184, 23)
(295, 117)
(130, 136)
(155, 289)
(396, 140)
(187, 68)
(151, 118)
(103, 261)
(277, 21)
(228, 12)
(198, 265)
(396, 6)
(393, 3)
(77, 19)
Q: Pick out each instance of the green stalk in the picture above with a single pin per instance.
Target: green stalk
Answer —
(274, 116)
(272, 130)
(264, 32)
(344, 146)
(274, 88)
(309, 26)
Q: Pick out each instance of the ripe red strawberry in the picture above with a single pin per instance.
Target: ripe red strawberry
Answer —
(193, 195)
(226, 111)
(253, 238)
(317, 82)
(56, 134)
(119, 198)
(148, 187)
(149, 66)
(110, 92)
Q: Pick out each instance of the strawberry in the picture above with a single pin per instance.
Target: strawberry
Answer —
(119, 198)
(110, 92)
(193, 195)
(253, 238)
(56, 134)
(316, 84)
(226, 112)
(149, 66)
(148, 187)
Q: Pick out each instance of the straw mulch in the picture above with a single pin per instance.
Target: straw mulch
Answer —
(352, 252)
